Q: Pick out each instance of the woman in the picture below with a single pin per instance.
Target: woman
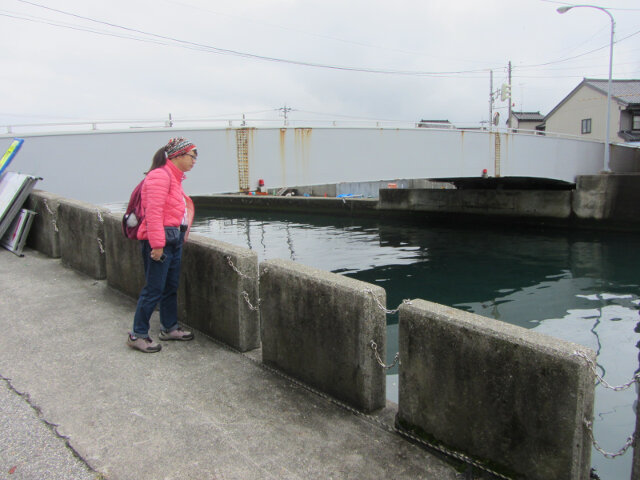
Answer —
(168, 217)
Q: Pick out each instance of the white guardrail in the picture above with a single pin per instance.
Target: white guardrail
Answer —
(239, 122)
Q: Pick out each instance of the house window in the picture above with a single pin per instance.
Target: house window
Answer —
(586, 125)
(636, 122)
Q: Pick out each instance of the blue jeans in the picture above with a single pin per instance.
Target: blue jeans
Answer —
(161, 287)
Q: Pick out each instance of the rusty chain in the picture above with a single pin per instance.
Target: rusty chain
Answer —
(396, 359)
(617, 388)
(603, 382)
(53, 215)
(620, 452)
(246, 299)
(406, 301)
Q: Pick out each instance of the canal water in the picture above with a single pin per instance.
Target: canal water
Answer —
(580, 286)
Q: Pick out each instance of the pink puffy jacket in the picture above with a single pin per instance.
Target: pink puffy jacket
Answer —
(164, 203)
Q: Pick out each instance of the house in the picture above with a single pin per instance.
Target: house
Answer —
(526, 120)
(583, 112)
(435, 124)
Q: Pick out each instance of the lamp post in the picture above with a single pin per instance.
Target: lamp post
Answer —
(613, 24)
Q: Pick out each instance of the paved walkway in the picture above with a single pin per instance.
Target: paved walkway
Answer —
(30, 448)
(196, 410)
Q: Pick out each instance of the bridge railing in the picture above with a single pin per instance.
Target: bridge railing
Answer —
(170, 122)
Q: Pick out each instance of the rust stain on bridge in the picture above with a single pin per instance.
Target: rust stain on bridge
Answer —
(244, 144)
(302, 147)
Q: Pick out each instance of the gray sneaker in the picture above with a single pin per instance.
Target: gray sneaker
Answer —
(146, 345)
(177, 334)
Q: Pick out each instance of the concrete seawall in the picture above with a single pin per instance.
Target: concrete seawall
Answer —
(318, 327)
(505, 381)
(315, 205)
(81, 229)
(216, 281)
(609, 202)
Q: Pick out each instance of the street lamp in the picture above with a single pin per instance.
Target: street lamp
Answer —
(613, 24)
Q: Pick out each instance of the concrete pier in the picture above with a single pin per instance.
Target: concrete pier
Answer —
(604, 202)
(310, 385)
(499, 392)
(317, 326)
(196, 410)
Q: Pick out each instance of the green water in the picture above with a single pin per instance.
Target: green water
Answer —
(578, 286)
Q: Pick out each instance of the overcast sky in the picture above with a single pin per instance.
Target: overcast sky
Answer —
(401, 60)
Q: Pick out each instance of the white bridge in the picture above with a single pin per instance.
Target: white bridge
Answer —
(101, 166)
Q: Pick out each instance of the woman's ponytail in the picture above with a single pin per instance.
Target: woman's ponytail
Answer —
(159, 159)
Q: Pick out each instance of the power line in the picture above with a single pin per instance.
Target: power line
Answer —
(577, 56)
(308, 33)
(583, 67)
(171, 41)
(31, 18)
(224, 51)
(203, 48)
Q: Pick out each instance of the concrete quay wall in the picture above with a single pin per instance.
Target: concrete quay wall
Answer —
(81, 237)
(90, 240)
(210, 297)
(487, 203)
(495, 391)
(45, 235)
(315, 205)
(216, 281)
(318, 327)
(608, 201)
(210, 294)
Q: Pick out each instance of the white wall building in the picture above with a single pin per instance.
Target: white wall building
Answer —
(583, 112)
(526, 122)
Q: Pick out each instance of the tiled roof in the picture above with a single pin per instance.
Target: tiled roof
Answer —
(435, 124)
(626, 91)
(622, 91)
(528, 116)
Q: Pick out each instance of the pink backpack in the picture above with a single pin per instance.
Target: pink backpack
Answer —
(134, 214)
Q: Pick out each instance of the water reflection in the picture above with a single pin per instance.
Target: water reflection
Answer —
(581, 287)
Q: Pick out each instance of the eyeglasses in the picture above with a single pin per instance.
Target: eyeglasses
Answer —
(195, 157)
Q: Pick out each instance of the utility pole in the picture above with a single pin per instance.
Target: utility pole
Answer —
(490, 99)
(509, 117)
(285, 111)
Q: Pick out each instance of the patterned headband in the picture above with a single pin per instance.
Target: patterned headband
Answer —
(178, 146)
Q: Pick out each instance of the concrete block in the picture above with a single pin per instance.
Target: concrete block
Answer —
(393, 198)
(210, 296)
(317, 326)
(81, 232)
(496, 203)
(332, 206)
(609, 197)
(123, 260)
(591, 201)
(507, 396)
(44, 235)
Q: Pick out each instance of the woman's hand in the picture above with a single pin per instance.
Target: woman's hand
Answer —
(156, 253)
